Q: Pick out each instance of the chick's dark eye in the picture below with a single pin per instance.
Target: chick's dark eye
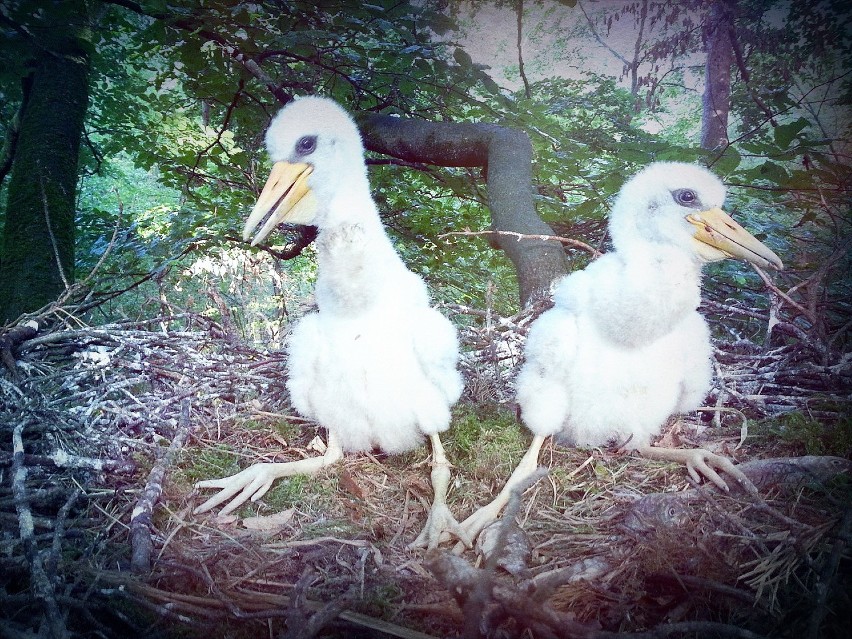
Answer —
(306, 145)
(685, 197)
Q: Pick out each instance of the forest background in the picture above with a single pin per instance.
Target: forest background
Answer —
(177, 98)
(132, 153)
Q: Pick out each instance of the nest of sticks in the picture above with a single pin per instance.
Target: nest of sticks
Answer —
(99, 539)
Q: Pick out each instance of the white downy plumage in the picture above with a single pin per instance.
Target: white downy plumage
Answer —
(624, 346)
(375, 365)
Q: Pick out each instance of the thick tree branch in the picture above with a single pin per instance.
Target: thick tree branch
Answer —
(507, 156)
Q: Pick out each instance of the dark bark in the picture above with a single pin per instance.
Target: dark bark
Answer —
(506, 154)
(716, 101)
(9, 341)
(38, 239)
(7, 152)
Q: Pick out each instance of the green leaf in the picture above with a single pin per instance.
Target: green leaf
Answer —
(490, 85)
(728, 162)
(771, 171)
(633, 155)
(589, 209)
(439, 23)
(786, 133)
(809, 216)
(462, 57)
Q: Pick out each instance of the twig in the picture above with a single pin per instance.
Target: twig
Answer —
(59, 266)
(41, 585)
(323, 617)
(475, 589)
(728, 409)
(140, 522)
(772, 287)
(59, 530)
(62, 459)
(526, 236)
(519, 42)
(588, 569)
(112, 241)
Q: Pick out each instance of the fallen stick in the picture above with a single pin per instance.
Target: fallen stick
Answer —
(41, 584)
(9, 342)
(140, 521)
(62, 459)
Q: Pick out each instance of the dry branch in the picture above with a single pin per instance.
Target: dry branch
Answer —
(10, 339)
(141, 524)
(41, 581)
(568, 241)
(61, 459)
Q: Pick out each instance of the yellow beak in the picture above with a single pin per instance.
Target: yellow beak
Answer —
(285, 198)
(718, 236)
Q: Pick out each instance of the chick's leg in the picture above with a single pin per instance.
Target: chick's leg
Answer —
(474, 524)
(701, 462)
(440, 520)
(253, 482)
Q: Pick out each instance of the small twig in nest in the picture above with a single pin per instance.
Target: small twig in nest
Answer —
(41, 583)
(59, 530)
(301, 627)
(140, 521)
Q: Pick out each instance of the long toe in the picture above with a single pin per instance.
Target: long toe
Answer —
(729, 468)
(250, 483)
(475, 524)
(440, 526)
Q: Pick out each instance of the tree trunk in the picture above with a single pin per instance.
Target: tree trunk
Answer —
(507, 156)
(38, 239)
(716, 101)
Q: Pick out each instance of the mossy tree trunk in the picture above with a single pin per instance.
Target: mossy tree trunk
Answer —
(38, 241)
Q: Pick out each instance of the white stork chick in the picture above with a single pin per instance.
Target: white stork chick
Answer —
(624, 346)
(375, 365)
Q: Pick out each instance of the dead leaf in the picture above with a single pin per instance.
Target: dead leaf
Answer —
(347, 481)
(318, 445)
(279, 439)
(268, 523)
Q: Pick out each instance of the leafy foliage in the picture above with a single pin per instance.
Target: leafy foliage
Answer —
(174, 136)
